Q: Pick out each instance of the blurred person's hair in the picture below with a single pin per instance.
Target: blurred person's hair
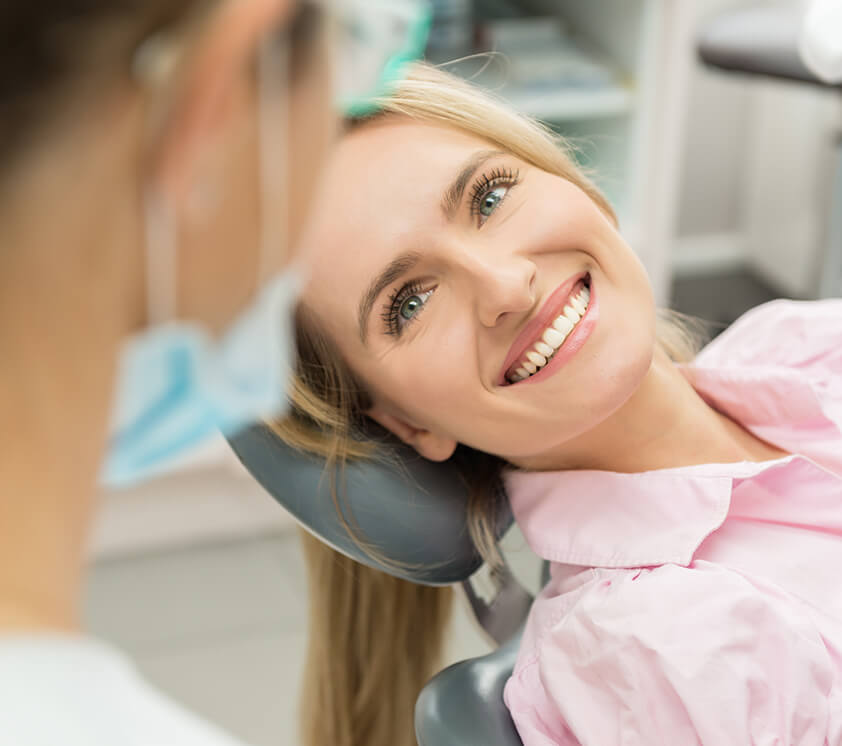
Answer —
(55, 54)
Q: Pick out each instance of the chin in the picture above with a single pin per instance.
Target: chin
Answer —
(611, 380)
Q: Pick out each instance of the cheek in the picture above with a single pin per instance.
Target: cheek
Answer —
(433, 378)
(564, 213)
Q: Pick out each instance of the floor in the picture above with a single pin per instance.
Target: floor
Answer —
(221, 626)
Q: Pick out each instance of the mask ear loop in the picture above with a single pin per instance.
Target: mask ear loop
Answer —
(161, 258)
(153, 62)
(273, 137)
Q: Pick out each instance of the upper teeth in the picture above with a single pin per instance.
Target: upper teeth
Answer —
(537, 356)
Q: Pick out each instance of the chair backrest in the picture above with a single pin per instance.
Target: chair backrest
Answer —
(412, 511)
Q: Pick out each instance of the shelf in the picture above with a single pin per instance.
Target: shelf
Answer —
(562, 103)
(567, 104)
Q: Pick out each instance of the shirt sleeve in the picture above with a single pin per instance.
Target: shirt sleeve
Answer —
(685, 655)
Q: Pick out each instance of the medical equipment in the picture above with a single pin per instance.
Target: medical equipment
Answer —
(415, 513)
(766, 40)
(820, 42)
(375, 39)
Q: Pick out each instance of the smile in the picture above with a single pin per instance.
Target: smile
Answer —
(558, 329)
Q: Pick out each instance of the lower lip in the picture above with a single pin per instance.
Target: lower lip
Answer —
(574, 342)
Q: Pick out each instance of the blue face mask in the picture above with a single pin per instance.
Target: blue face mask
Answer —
(177, 385)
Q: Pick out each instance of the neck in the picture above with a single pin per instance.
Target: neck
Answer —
(63, 311)
(664, 424)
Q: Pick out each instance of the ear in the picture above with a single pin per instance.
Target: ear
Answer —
(211, 77)
(431, 446)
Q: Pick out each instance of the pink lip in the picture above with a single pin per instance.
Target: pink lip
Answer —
(551, 310)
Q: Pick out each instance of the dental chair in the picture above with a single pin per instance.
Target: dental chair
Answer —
(415, 513)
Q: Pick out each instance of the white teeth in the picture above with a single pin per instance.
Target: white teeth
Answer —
(538, 360)
(544, 349)
(571, 314)
(563, 325)
(553, 338)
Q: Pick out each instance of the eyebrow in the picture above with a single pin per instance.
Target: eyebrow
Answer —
(393, 270)
(453, 195)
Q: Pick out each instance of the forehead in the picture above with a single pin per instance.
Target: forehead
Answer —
(381, 196)
(391, 162)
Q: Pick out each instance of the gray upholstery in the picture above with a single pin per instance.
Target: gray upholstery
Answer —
(463, 705)
(762, 40)
(411, 510)
(502, 617)
(414, 513)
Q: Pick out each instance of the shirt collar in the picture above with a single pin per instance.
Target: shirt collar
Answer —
(609, 519)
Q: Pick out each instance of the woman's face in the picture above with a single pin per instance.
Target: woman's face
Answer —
(444, 262)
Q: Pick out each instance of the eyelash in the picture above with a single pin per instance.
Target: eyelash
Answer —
(391, 309)
(490, 181)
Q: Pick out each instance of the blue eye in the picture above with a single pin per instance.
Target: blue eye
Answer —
(410, 306)
(404, 307)
(491, 200)
(488, 193)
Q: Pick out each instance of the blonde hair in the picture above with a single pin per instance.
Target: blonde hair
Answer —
(375, 639)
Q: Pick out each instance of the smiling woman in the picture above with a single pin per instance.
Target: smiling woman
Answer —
(517, 335)
(442, 167)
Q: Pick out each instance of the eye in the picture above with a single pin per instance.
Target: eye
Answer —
(405, 306)
(489, 191)
(410, 306)
(491, 200)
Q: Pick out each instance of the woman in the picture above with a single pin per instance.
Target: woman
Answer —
(133, 165)
(485, 306)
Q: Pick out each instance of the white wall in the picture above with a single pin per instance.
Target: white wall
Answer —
(709, 220)
(712, 168)
(754, 185)
(788, 173)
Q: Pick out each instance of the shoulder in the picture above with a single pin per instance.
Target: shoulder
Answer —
(792, 334)
(94, 697)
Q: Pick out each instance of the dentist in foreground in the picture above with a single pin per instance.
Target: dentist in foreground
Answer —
(156, 161)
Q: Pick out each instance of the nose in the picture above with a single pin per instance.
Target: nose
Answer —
(501, 285)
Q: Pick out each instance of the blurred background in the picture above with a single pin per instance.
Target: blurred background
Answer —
(726, 186)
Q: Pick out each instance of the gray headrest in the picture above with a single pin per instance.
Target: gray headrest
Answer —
(412, 511)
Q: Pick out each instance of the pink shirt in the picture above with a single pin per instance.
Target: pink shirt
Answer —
(700, 605)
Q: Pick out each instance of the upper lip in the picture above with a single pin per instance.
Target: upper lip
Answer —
(551, 310)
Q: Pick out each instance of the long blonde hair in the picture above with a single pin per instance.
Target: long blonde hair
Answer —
(374, 639)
